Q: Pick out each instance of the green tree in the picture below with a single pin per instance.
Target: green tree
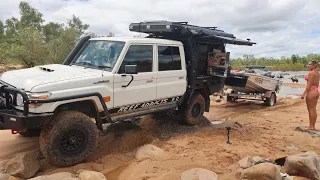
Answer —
(52, 30)
(11, 26)
(77, 24)
(1, 28)
(30, 16)
(5, 52)
(31, 49)
(294, 59)
(61, 47)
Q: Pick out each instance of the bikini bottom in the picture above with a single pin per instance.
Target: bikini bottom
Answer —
(315, 89)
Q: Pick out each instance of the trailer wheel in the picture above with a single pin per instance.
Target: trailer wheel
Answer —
(30, 133)
(194, 111)
(68, 138)
(231, 99)
(272, 100)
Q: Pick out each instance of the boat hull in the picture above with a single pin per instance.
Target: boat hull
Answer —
(251, 83)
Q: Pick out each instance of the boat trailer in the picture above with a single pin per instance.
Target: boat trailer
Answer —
(269, 97)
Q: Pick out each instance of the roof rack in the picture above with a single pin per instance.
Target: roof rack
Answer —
(168, 29)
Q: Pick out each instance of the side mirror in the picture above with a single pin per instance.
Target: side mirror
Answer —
(131, 69)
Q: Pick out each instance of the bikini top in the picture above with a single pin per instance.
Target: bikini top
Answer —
(307, 76)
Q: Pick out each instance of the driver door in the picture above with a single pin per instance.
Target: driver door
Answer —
(142, 88)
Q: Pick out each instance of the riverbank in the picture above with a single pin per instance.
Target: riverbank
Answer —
(260, 130)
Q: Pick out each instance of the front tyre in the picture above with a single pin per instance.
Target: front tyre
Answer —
(195, 110)
(69, 138)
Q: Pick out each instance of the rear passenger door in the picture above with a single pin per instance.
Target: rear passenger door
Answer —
(171, 77)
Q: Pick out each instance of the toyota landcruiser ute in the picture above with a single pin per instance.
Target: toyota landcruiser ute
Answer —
(107, 79)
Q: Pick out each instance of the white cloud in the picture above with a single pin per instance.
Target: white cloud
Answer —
(281, 28)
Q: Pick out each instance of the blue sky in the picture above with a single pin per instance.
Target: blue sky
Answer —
(280, 27)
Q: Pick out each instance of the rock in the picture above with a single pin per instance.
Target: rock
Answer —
(263, 171)
(90, 175)
(246, 162)
(57, 176)
(4, 176)
(295, 178)
(199, 174)
(256, 159)
(238, 173)
(14, 178)
(24, 165)
(149, 151)
(305, 165)
(250, 161)
(3, 166)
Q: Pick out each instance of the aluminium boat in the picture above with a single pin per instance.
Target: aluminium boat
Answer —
(252, 83)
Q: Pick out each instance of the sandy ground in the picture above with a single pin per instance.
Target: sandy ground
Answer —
(294, 85)
(256, 130)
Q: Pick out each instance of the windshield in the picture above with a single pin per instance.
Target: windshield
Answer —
(99, 54)
(260, 71)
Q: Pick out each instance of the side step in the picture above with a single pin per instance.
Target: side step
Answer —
(123, 116)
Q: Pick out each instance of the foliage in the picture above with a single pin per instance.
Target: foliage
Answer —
(76, 23)
(295, 62)
(30, 41)
(1, 28)
(32, 50)
(30, 16)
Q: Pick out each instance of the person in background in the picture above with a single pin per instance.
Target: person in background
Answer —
(311, 93)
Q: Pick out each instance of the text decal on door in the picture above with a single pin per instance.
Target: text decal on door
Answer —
(143, 105)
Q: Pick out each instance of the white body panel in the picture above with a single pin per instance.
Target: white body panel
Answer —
(142, 89)
(32, 77)
(63, 80)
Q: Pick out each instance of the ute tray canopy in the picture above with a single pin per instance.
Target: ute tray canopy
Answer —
(182, 30)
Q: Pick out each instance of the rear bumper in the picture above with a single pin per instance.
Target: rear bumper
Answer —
(14, 119)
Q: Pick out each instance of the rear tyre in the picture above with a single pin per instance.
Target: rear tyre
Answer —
(231, 99)
(30, 133)
(194, 111)
(69, 138)
(272, 100)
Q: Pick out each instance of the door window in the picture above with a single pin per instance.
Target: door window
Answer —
(140, 55)
(169, 58)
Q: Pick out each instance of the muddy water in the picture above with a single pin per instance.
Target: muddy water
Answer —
(293, 92)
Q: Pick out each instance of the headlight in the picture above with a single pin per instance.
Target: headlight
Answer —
(19, 100)
(45, 95)
(32, 96)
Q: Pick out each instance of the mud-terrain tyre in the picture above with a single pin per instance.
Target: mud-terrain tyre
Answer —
(272, 100)
(194, 111)
(68, 139)
(30, 133)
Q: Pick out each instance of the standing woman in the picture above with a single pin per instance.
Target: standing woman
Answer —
(312, 93)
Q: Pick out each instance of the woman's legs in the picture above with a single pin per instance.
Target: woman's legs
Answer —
(312, 100)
